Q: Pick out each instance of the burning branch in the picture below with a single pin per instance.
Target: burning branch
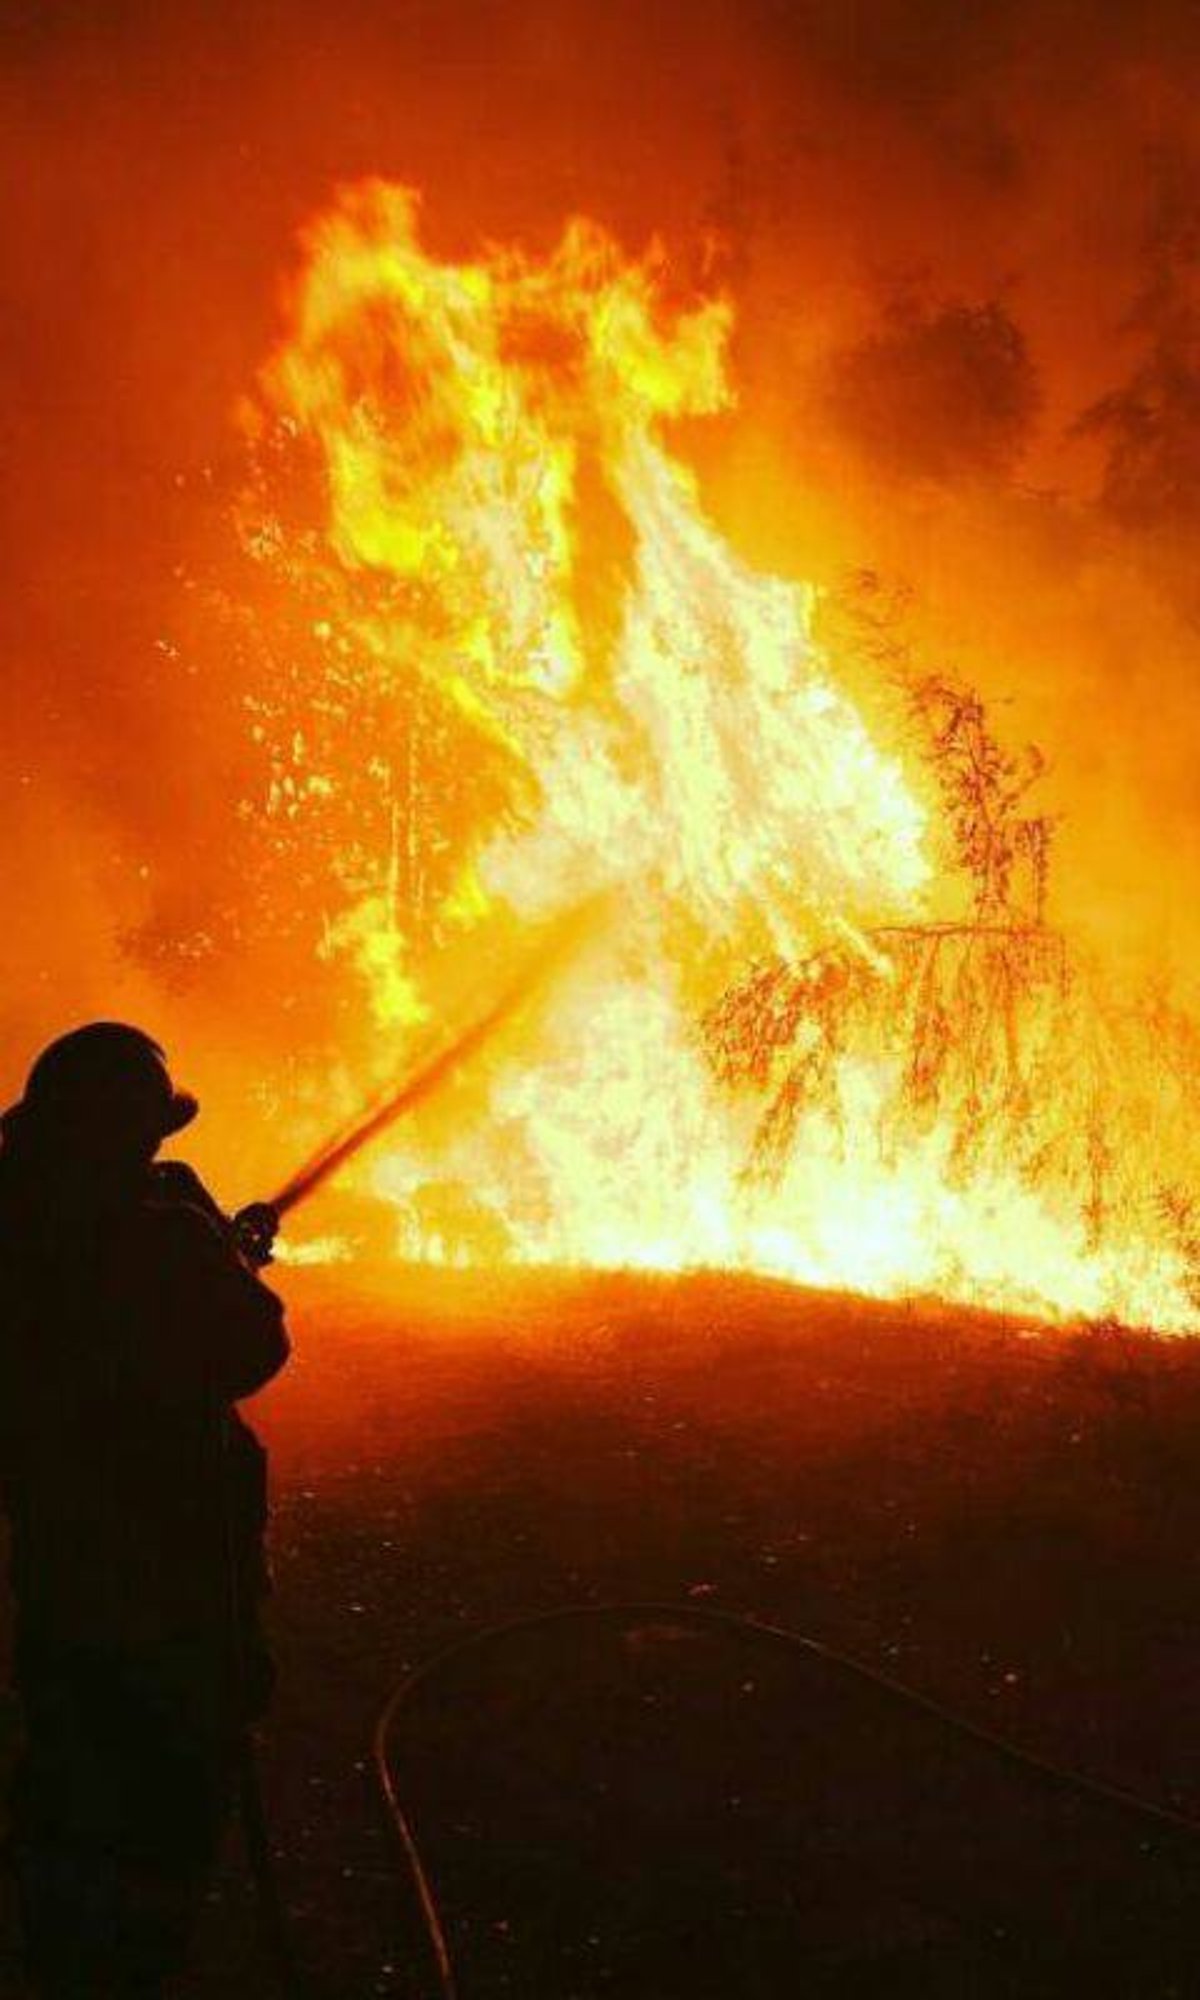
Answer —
(982, 786)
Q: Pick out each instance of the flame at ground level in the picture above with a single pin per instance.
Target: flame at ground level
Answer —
(610, 1142)
(825, 1031)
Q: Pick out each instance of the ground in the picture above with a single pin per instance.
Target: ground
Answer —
(1003, 1518)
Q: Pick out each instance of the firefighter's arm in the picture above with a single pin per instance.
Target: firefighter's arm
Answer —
(253, 1229)
(230, 1322)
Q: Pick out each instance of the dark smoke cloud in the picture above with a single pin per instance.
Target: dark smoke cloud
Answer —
(938, 395)
(1150, 424)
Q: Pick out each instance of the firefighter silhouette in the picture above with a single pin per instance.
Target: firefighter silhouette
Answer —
(130, 1325)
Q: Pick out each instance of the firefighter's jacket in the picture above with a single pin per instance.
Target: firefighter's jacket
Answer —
(129, 1328)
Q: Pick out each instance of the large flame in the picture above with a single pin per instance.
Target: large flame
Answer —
(780, 1053)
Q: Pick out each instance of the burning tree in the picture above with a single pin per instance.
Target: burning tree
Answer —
(955, 1003)
(832, 1031)
(989, 1029)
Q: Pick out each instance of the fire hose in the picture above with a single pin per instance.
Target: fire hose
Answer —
(256, 1225)
(706, 1617)
(400, 1819)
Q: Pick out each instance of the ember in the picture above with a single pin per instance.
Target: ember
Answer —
(831, 1033)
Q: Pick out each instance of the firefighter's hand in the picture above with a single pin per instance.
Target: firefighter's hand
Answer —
(255, 1229)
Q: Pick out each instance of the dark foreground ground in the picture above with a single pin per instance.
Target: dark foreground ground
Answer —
(1003, 1520)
